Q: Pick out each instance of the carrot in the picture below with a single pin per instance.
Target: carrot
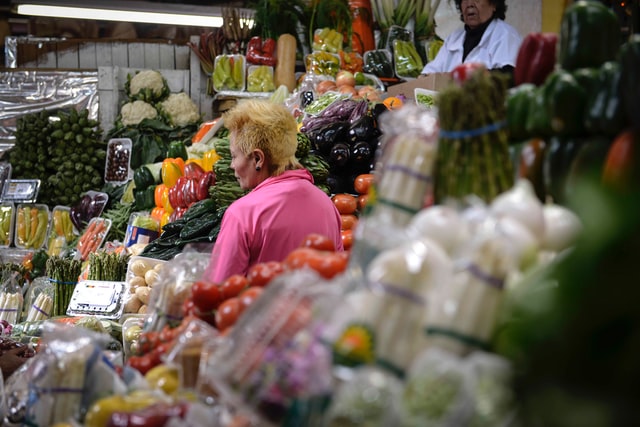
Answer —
(91, 238)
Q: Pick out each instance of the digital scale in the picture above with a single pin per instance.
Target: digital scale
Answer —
(97, 298)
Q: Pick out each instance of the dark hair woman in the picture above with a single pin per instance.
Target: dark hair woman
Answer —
(485, 38)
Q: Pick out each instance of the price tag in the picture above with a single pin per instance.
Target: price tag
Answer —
(21, 190)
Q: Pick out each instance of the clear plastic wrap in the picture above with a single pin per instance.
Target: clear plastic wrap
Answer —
(61, 231)
(7, 223)
(117, 168)
(274, 355)
(63, 379)
(32, 223)
(463, 314)
(39, 303)
(142, 275)
(11, 298)
(173, 288)
(369, 396)
(142, 228)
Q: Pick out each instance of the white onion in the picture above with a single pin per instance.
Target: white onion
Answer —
(441, 224)
(562, 227)
(521, 204)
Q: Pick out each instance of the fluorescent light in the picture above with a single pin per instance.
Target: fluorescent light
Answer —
(131, 11)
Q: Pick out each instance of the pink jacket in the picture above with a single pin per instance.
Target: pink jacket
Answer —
(270, 221)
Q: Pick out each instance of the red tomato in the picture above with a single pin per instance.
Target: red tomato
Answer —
(188, 307)
(262, 273)
(345, 203)
(330, 264)
(206, 295)
(363, 182)
(347, 239)
(362, 202)
(620, 162)
(462, 72)
(248, 296)
(318, 241)
(227, 313)
(348, 222)
(233, 285)
(206, 316)
(300, 258)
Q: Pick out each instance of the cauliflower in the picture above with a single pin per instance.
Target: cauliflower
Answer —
(132, 113)
(180, 110)
(147, 85)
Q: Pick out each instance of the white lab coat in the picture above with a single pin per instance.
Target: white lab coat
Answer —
(498, 47)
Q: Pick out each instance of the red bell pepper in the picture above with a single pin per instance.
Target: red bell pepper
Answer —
(462, 72)
(202, 188)
(536, 58)
(261, 52)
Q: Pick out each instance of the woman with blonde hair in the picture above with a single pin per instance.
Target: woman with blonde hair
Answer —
(283, 206)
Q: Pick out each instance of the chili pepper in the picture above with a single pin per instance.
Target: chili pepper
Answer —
(629, 57)
(589, 35)
(565, 100)
(536, 58)
(520, 104)
(605, 113)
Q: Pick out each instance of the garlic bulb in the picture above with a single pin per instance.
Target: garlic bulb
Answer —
(562, 227)
(521, 204)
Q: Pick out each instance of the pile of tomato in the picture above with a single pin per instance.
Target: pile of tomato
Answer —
(350, 206)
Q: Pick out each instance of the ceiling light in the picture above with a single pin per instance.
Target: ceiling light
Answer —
(126, 11)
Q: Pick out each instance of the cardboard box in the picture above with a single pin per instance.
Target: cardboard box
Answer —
(435, 81)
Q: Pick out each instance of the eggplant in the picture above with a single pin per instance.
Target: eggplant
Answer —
(313, 123)
(361, 153)
(325, 138)
(363, 129)
(340, 110)
(377, 110)
(335, 183)
(361, 109)
(339, 155)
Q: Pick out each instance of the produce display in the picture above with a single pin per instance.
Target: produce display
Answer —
(481, 235)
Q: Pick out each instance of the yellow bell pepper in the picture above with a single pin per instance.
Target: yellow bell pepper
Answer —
(209, 159)
(163, 377)
(171, 171)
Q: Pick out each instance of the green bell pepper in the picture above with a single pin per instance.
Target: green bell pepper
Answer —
(144, 199)
(520, 101)
(143, 178)
(565, 99)
(629, 58)
(539, 122)
(589, 35)
(177, 149)
(605, 113)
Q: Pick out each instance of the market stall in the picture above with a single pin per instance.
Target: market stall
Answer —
(482, 227)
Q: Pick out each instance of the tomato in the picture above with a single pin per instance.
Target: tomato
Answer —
(143, 364)
(262, 273)
(620, 162)
(188, 306)
(227, 313)
(462, 72)
(206, 295)
(345, 203)
(347, 239)
(327, 264)
(233, 285)
(362, 202)
(348, 222)
(206, 316)
(318, 241)
(363, 182)
(248, 296)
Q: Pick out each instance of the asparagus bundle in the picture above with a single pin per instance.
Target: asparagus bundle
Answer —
(63, 274)
(473, 153)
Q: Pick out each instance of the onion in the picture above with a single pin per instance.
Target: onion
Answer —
(442, 224)
(345, 78)
(521, 204)
(562, 227)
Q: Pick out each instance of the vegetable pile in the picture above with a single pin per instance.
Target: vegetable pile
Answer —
(64, 150)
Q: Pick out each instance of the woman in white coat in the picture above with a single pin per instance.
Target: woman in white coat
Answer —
(485, 38)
